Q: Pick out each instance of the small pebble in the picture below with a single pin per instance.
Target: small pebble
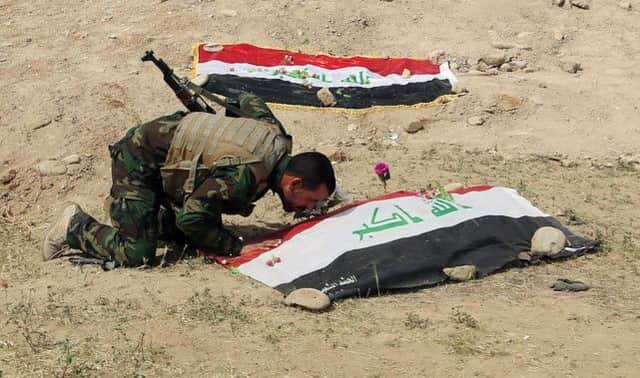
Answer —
(229, 12)
(582, 4)
(460, 90)
(519, 64)
(506, 67)
(8, 177)
(415, 126)
(461, 273)
(72, 159)
(507, 102)
(475, 121)
(625, 5)
(493, 60)
(502, 45)
(524, 256)
(51, 168)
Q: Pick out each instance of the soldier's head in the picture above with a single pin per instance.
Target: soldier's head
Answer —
(307, 180)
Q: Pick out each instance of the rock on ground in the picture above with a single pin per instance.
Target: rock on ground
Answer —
(507, 102)
(51, 168)
(625, 5)
(415, 126)
(475, 121)
(493, 60)
(548, 241)
(8, 177)
(582, 4)
(308, 298)
(326, 97)
(461, 273)
(229, 12)
(559, 35)
(72, 159)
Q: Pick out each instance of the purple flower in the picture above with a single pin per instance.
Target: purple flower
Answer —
(382, 171)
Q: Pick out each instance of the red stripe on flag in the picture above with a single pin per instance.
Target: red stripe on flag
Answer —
(258, 56)
(292, 231)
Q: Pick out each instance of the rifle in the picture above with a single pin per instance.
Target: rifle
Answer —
(105, 264)
(191, 94)
(190, 100)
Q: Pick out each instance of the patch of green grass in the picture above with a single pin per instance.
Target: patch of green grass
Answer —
(139, 356)
(272, 338)
(414, 321)
(71, 365)
(205, 307)
(524, 189)
(603, 241)
(465, 319)
(375, 146)
(463, 344)
(24, 316)
(572, 219)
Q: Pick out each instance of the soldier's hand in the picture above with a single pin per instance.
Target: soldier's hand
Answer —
(260, 246)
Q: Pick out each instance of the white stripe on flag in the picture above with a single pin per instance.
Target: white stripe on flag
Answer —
(318, 246)
(320, 77)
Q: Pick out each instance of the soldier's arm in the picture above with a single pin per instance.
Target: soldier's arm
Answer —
(200, 219)
(256, 107)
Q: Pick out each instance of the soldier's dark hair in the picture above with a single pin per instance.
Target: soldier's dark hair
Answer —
(314, 169)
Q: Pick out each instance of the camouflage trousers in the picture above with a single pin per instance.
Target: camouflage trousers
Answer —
(135, 213)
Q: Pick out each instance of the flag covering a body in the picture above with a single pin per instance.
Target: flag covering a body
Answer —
(294, 78)
(403, 240)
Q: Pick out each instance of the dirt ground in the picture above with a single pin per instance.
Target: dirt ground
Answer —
(72, 82)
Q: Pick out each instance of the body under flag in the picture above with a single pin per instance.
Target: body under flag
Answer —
(318, 80)
(404, 240)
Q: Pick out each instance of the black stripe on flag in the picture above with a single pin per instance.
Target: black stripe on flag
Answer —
(284, 92)
(490, 243)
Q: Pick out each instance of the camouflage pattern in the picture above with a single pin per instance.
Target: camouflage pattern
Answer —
(138, 198)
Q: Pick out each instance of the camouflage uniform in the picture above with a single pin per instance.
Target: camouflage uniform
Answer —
(138, 198)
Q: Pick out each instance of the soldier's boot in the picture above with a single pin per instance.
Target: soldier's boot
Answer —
(56, 238)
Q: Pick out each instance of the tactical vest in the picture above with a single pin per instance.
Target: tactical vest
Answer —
(203, 142)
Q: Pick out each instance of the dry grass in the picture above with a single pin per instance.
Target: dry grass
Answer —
(156, 323)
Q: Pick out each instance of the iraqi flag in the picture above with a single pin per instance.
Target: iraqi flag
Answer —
(403, 240)
(294, 78)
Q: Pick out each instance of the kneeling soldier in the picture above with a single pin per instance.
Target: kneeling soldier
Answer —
(194, 166)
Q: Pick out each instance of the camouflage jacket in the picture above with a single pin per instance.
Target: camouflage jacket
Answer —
(230, 190)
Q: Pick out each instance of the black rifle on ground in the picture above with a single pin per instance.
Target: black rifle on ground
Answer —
(191, 100)
(105, 264)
